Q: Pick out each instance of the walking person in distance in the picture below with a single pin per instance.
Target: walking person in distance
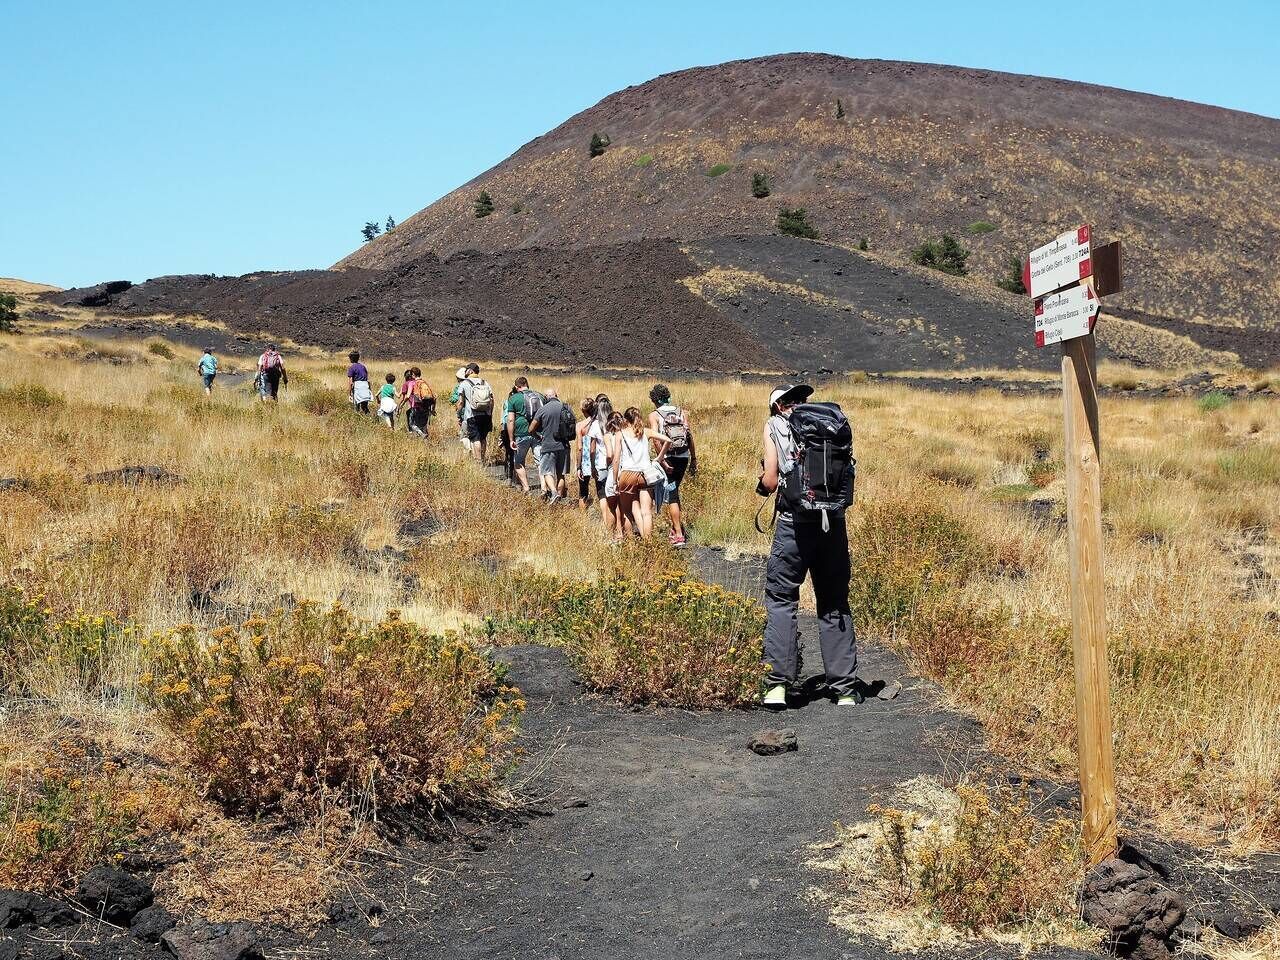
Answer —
(475, 400)
(519, 411)
(358, 390)
(636, 471)
(679, 458)
(455, 398)
(208, 369)
(271, 374)
(555, 427)
(808, 466)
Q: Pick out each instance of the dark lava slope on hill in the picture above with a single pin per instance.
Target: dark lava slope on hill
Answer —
(728, 304)
(1192, 190)
(732, 305)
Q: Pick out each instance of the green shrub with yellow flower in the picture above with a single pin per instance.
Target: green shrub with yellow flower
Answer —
(42, 653)
(668, 641)
(311, 707)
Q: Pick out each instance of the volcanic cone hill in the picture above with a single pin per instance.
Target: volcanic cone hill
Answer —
(657, 253)
(1192, 190)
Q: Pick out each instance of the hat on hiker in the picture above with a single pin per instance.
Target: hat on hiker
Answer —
(790, 393)
(462, 373)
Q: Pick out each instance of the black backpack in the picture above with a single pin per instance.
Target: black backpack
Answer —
(567, 428)
(819, 477)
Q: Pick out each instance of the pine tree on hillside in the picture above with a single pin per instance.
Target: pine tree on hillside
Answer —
(946, 255)
(759, 186)
(371, 230)
(484, 204)
(391, 223)
(839, 109)
(795, 223)
(598, 144)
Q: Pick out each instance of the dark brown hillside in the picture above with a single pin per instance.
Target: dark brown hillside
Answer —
(728, 304)
(1193, 190)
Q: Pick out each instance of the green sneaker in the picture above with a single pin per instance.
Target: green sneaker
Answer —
(850, 699)
(775, 697)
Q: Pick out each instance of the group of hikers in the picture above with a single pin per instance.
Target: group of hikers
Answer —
(269, 376)
(629, 463)
(632, 464)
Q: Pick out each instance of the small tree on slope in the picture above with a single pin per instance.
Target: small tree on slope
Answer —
(795, 223)
(484, 204)
(8, 312)
(371, 230)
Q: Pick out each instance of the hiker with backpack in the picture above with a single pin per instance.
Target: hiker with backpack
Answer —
(208, 369)
(636, 471)
(555, 428)
(271, 374)
(518, 413)
(475, 399)
(808, 468)
(422, 405)
(358, 390)
(679, 458)
(405, 398)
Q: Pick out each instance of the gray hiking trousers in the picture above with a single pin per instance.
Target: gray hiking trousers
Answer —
(800, 548)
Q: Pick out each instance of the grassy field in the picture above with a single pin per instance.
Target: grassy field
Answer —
(116, 594)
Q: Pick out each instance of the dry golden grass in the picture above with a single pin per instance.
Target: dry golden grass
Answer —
(950, 865)
(24, 287)
(1192, 503)
(283, 501)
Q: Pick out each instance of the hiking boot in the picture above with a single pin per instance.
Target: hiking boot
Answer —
(775, 697)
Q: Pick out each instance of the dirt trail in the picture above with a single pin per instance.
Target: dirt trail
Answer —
(688, 844)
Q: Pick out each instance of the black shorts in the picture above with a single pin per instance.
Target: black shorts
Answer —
(676, 469)
(479, 427)
(584, 488)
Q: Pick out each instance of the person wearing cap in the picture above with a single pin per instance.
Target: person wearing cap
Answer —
(803, 545)
(454, 397)
(475, 401)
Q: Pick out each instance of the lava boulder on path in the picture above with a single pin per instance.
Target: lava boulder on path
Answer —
(770, 742)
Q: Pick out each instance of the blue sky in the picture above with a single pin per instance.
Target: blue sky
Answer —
(149, 138)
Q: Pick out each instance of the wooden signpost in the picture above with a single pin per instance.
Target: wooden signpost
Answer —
(1061, 278)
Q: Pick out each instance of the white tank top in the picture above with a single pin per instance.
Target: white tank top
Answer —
(635, 453)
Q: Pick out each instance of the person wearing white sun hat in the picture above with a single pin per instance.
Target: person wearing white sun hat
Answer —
(453, 402)
(805, 542)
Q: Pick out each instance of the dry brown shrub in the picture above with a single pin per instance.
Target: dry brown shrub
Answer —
(302, 710)
(70, 797)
